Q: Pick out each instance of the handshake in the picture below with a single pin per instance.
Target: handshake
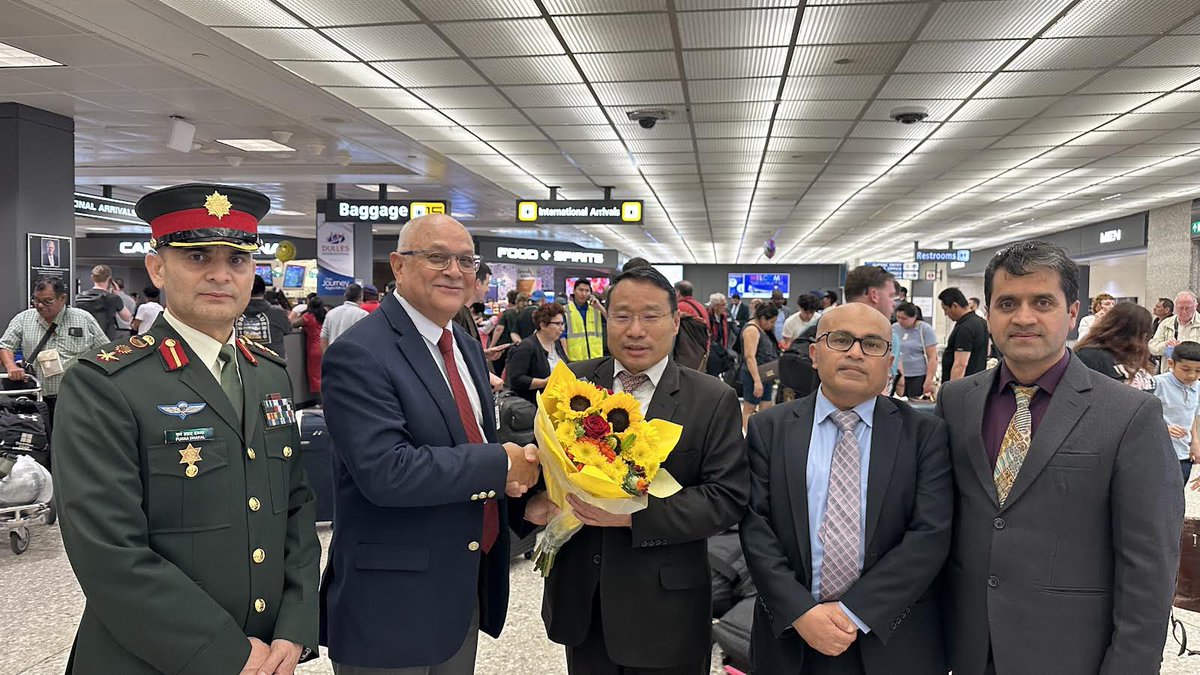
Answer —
(523, 468)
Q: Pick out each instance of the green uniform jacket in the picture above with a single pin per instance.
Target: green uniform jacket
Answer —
(180, 565)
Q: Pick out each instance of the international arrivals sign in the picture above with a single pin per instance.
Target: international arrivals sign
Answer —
(580, 211)
(104, 208)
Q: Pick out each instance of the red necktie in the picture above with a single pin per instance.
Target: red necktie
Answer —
(491, 513)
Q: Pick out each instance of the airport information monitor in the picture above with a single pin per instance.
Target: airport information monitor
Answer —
(293, 276)
(759, 285)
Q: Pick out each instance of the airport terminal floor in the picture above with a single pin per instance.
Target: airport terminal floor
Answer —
(262, 250)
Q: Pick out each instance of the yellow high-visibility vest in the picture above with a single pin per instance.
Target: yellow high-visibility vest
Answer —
(585, 339)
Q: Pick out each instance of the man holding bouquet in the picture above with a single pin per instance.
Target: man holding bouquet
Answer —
(849, 521)
(631, 594)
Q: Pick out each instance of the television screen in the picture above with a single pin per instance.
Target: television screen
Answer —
(293, 276)
(759, 285)
(264, 270)
(599, 285)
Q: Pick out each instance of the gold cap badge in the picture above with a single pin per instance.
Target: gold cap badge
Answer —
(217, 205)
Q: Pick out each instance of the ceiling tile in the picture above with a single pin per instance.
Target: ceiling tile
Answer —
(873, 23)
(733, 91)
(731, 112)
(842, 87)
(510, 133)
(546, 95)
(376, 97)
(484, 117)
(589, 114)
(337, 74)
(603, 6)
(513, 37)
(1122, 17)
(298, 44)
(443, 10)
(391, 43)
(640, 94)
(1135, 80)
(1106, 104)
(932, 85)
(629, 66)
(1069, 53)
(731, 129)
(1003, 108)
(811, 128)
(410, 118)
(440, 73)
(735, 28)
(1035, 83)
(347, 12)
(991, 19)
(861, 59)
(234, 13)
(530, 70)
(1181, 50)
(580, 132)
(615, 33)
(954, 57)
(462, 97)
(722, 63)
(1051, 125)
(819, 110)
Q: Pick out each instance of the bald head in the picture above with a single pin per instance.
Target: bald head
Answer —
(856, 318)
(849, 375)
(419, 229)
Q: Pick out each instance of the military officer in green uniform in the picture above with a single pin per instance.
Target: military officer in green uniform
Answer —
(177, 476)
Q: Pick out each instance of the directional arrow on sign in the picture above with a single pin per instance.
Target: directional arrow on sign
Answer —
(545, 255)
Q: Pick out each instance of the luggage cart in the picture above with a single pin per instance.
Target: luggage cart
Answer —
(16, 520)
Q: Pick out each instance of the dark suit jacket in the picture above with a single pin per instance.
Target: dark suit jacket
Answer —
(527, 361)
(402, 579)
(909, 511)
(740, 314)
(1075, 573)
(654, 580)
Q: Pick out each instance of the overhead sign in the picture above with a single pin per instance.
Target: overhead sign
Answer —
(579, 211)
(104, 208)
(380, 210)
(550, 255)
(943, 255)
(1196, 228)
(909, 271)
(130, 247)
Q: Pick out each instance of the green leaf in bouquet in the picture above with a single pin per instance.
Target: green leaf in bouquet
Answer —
(628, 441)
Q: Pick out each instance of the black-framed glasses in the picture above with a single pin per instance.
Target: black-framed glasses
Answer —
(42, 302)
(440, 260)
(841, 341)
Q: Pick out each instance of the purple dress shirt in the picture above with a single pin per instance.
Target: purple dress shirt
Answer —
(1002, 404)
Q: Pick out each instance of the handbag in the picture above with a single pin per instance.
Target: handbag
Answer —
(1187, 582)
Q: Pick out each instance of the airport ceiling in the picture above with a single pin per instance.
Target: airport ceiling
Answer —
(778, 116)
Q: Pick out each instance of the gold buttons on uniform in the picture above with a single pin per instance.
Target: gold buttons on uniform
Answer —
(250, 453)
(191, 471)
(473, 546)
(260, 605)
(255, 504)
(287, 452)
(259, 555)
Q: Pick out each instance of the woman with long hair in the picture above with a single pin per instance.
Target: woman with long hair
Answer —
(759, 347)
(1118, 345)
(311, 320)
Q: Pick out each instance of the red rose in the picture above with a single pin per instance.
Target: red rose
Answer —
(595, 426)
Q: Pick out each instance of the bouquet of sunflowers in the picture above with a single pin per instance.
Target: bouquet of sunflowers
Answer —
(598, 446)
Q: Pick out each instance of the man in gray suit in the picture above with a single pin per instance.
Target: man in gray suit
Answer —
(1069, 503)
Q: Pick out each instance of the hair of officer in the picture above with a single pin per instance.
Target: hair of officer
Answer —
(808, 303)
(483, 272)
(353, 293)
(953, 296)
(151, 293)
(1030, 257)
(42, 283)
(634, 263)
(649, 275)
(766, 311)
(684, 288)
(1168, 303)
(860, 280)
(101, 274)
(1186, 351)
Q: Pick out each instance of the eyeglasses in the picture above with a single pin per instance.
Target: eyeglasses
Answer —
(841, 341)
(41, 302)
(556, 323)
(438, 260)
(623, 319)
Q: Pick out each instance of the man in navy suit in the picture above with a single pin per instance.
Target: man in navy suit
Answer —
(419, 558)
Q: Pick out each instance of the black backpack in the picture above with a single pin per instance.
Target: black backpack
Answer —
(95, 302)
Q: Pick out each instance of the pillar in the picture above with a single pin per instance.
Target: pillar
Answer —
(37, 184)
(1172, 258)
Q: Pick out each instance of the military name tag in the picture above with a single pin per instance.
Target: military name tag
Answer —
(188, 435)
(278, 411)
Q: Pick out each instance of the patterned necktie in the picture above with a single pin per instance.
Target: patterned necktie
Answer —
(1015, 445)
(229, 378)
(491, 513)
(630, 382)
(841, 530)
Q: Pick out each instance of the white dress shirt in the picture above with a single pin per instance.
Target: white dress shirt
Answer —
(645, 392)
(432, 333)
(207, 349)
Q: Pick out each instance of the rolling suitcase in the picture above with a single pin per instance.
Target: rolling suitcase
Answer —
(317, 454)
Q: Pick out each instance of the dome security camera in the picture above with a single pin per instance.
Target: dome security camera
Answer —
(909, 114)
(647, 118)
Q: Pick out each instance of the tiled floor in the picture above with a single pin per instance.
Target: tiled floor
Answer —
(40, 605)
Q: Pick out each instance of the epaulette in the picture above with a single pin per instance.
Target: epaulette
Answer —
(257, 348)
(120, 353)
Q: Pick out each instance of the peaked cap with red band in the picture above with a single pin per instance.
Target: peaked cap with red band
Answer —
(200, 214)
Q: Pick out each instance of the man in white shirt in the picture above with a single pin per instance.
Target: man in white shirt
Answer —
(798, 323)
(147, 312)
(339, 319)
(1183, 327)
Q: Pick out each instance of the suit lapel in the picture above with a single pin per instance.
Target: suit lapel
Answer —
(662, 404)
(415, 350)
(797, 436)
(973, 407)
(1067, 405)
(604, 374)
(885, 439)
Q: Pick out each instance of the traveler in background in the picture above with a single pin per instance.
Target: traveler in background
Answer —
(780, 303)
(584, 337)
(802, 321)
(102, 303)
(339, 319)
(1175, 329)
(1068, 505)
(370, 301)
(917, 346)
(76, 334)
(1100, 304)
(977, 307)
(1179, 391)
(124, 326)
(738, 311)
(525, 324)
(1164, 308)
(688, 304)
(263, 322)
(311, 321)
(476, 292)
(829, 299)
(507, 330)
(872, 286)
(1117, 346)
(531, 362)
(275, 297)
(299, 309)
(147, 312)
(759, 347)
(722, 335)
(967, 346)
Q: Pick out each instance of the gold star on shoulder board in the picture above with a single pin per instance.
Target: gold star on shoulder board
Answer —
(218, 205)
(190, 455)
(124, 350)
(107, 356)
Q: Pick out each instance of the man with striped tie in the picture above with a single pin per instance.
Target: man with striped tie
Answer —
(1069, 503)
(849, 518)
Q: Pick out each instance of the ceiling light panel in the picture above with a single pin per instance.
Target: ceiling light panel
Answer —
(516, 37)
(735, 28)
(423, 134)
(848, 87)
(322, 13)
(629, 66)
(463, 97)
(392, 43)
(819, 110)
(287, 44)
(559, 115)
(848, 24)
(1106, 17)
(1103, 104)
(439, 73)
(938, 85)
(731, 112)
(1071, 53)
(331, 74)
(14, 57)
(1035, 83)
(255, 144)
(1135, 80)
(991, 19)
(441, 10)
(418, 118)
(1003, 108)
(733, 91)
(946, 57)
(640, 93)
(723, 63)
(619, 33)
(483, 117)
(235, 13)
(530, 70)
(1169, 51)
(376, 97)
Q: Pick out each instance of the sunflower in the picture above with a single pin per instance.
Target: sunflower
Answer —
(577, 400)
(621, 410)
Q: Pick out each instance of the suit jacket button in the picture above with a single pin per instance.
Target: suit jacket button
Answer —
(998, 523)
(644, 543)
(491, 494)
(596, 558)
(474, 498)
(993, 581)
(473, 546)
